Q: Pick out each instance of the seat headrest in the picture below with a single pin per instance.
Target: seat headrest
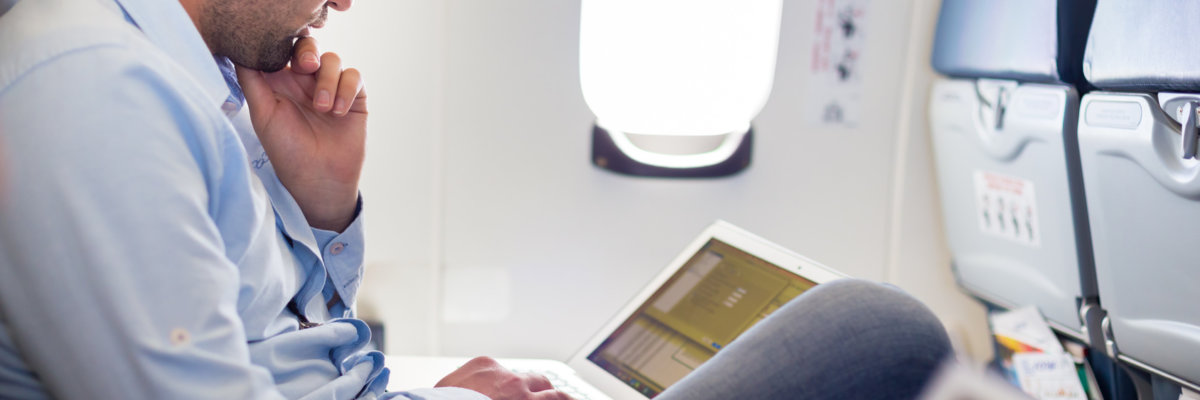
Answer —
(1023, 40)
(1150, 46)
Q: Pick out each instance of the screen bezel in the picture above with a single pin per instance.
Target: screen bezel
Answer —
(719, 230)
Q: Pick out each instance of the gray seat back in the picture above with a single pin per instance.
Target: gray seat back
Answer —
(1143, 194)
(1007, 163)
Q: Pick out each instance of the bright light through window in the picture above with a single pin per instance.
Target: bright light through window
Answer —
(678, 67)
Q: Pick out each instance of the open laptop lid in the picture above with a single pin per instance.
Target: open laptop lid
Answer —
(725, 281)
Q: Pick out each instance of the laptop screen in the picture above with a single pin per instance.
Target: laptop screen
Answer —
(718, 294)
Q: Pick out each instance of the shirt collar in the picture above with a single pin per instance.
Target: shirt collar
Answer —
(167, 25)
(236, 98)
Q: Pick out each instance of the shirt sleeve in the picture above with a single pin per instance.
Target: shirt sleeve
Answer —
(339, 254)
(116, 283)
(343, 257)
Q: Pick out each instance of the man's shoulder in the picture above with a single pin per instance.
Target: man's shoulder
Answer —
(83, 59)
(36, 33)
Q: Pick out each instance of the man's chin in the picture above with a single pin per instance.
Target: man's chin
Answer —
(276, 59)
(271, 61)
(274, 67)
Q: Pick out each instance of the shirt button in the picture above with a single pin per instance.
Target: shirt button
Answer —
(230, 108)
(337, 248)
(180, 337)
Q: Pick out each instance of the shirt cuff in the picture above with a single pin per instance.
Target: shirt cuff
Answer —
(342, 254)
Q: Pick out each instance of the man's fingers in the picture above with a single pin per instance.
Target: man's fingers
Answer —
(305, 56)
(537, 383)
(349, 93)
(328, 78)
(550, 395)
(482, 362)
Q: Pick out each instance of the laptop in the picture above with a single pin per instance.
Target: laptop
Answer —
(722, 283)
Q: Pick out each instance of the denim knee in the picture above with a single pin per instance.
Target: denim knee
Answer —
(880, 325)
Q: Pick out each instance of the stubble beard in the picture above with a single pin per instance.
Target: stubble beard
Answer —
(250, 37)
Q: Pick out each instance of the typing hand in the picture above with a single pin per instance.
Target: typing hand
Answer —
(486, 376)
(311, 119)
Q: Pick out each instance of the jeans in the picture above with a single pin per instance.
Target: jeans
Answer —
(847, 339)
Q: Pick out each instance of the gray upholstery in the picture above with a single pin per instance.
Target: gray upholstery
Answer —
(1138, 45)
(1025, 40)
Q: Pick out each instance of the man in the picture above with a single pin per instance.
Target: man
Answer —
(159, 252)
(159, 241)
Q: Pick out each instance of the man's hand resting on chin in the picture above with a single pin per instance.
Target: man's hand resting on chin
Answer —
(311, 118)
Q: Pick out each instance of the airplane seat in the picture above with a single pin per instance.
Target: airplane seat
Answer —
(1003, 120)
(1137, 138)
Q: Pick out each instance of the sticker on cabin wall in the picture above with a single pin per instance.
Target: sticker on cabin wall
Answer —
(835, 87)
(1006, 206)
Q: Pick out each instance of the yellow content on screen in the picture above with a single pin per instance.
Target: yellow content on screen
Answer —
(720, 293)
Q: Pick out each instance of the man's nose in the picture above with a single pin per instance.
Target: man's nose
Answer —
(340, 5)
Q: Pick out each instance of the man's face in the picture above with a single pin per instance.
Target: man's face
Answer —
(259, 34)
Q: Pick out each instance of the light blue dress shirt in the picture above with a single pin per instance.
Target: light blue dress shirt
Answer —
(148, 249)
